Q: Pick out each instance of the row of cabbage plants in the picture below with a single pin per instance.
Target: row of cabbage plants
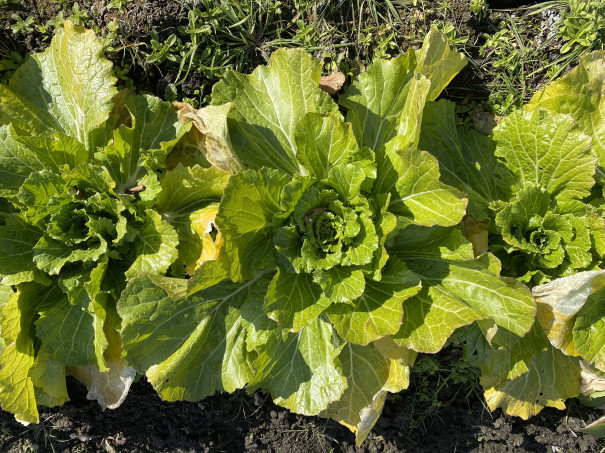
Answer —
(305, 244)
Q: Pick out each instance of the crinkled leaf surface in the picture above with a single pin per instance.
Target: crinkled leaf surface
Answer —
(246, 214)
(293, 300)
(419, 195)
(430, 318)
(302, 370)
(442, 257)
(189, 347)
(20, 156)
(580, 93)
(466, 158)
(268, 104)
(185, 191)
(378, 311)
(68, 88)
(17, 390)
(322, 142)
(17, 241)
(137, 150)
(547, 151)
(155, 247)
(388, 99)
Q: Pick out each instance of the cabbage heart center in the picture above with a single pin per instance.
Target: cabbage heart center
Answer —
(323, 229)
(69, 225)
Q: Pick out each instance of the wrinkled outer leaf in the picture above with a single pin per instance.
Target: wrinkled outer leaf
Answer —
(367, 372)
(155, 247)
(268, 104)
(387, 101)
(547, 151)
(190, 347)
(378, 312)
(68, 88)
(323, 142)
(580, 93)
(421, 196)
(438, 63)
(376, 100)
(552, 378)
(245, 217)
(17, 392)
(293, 300)
(302, 371)
(442, 257)
(466, 158)
(431, 317)
(558, 305)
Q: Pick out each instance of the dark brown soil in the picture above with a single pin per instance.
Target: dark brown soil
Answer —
(242, 422)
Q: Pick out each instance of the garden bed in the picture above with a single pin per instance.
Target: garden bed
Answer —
(444, 408)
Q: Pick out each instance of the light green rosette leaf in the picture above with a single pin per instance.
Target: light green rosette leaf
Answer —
(441, 257)
(523, 378)
(246, 218)
(466, 158)
(430, 318)
(17, 241)
(580, 94)
(294, 301)
(17, 390)
(302, 370)
(155, 247)
(68, 88)
(48, 377)
(546, 151)
(268, 105)
(67, 329)
(189, 347)
(186, 191)
(21, 156)
(387, 101)
(322, 142)
(138, 150)
(419, 195)
(377, 312)
(438, 63)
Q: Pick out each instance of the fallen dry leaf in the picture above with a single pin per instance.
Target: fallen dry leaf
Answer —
(332, 83)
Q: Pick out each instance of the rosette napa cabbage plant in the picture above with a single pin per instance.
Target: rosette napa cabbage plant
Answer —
(531, 187)
(342, 255)
(87, 203)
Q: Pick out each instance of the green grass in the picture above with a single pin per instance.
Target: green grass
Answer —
(512, 52)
